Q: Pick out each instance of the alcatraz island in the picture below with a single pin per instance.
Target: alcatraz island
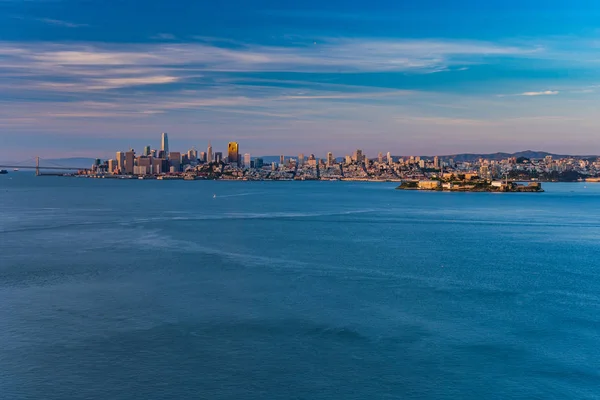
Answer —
(463, 183)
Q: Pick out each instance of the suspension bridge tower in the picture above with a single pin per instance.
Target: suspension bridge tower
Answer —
(37, 166)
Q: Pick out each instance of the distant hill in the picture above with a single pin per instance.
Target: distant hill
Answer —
(501, 156)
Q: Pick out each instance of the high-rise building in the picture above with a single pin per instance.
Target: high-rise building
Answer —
(421, 163)
(161, 154)
(348, 160)
(436, 162)
(330, 159)
(192, 154)
(358, 156)
(247, 160)
(218, 157)
(380, 158)
(300, 159)
(389, 158)
(175, 160)
(209, 154)
(147, 151)
(258, 163)
(233, 153)
(281, 159)
(164, 144)
(159, 166)
(129, 161)
(121, 162)
(112, 166)
(203, 157)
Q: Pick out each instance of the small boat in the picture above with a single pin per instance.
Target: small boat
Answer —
(3, 171)
(15, 169)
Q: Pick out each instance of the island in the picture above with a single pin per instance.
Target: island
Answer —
(470, 186)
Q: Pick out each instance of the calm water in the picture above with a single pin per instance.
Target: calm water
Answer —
(324, 290)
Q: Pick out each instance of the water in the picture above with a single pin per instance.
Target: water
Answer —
(306, 290)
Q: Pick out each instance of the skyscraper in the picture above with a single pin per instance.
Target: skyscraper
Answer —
(218, 157)
(247, 160)
(233, 153)
(281, 159)
(436, 162)
(300, 159)
(129, 161)
(330, 159)
(209, 154)
(380, 158)
(164, 144)
(175, 161)
(121, 161)
(192, 154)
(358, 156)
(203, 157)
(389, 158)
(147, 151)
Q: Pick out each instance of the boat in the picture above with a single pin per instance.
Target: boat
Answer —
(15, 169)
(3, 171)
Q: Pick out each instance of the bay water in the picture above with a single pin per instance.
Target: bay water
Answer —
(145, 289)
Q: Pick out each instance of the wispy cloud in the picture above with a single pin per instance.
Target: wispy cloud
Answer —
(163, 36)
(59, 22)
(542, 93)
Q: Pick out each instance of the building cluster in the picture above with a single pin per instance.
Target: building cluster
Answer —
(163, 163)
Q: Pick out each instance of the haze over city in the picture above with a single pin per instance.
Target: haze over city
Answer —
(84, 79)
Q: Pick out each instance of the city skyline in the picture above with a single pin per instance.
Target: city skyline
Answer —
(427, 78)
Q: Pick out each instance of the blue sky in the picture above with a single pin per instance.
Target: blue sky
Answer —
(88, 78)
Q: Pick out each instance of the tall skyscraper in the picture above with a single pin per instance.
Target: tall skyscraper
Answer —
(330, 159)
(233, 153)
(192, 154)
(175, 160)
(218, 157)
(129, 161)
(121, 161)
(164, 144)
(147, 151)
(209, 154)
(358, 156)
(247, 160)
(203, 157)
(300, 159)
(389, 158)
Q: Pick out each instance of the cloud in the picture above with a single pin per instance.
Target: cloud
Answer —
(543, 93)
(59, 22)
(163, 36)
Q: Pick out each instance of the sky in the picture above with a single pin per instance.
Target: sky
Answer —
(89, 78)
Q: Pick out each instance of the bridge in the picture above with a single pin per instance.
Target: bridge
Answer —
(49, 166)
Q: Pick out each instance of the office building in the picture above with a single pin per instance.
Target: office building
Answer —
(146, 151)
(175, 161)
(121, 161)
(358, 156)
(218, 157)
(258, 163)
(129, 161)
(300, 159)
(159, 166)
(348, 160)
(247, 160)
(164, 144)
(209, 154)
(112, 166)
(330, 160)
(192, 155)
(436, 162)
(380, 158)
(281, 160)
(233, 153)
(203, 157)
(389, 158)
(421, 163)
